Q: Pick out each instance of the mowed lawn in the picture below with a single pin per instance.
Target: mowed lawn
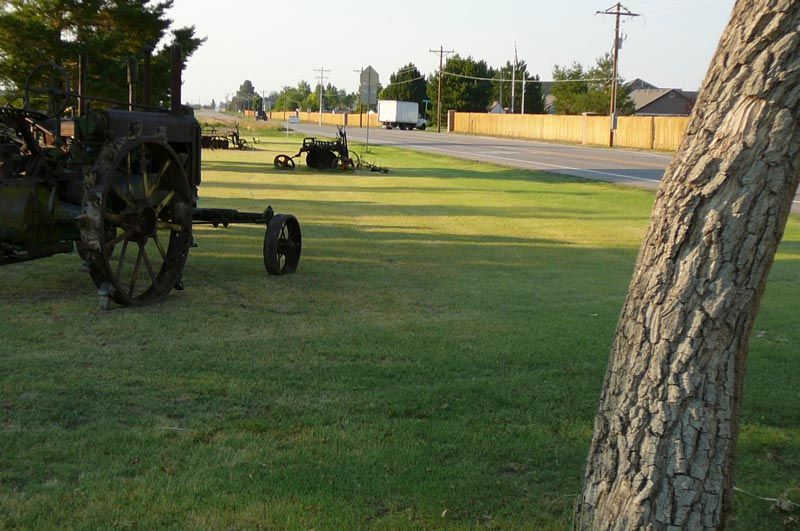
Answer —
(435, 362)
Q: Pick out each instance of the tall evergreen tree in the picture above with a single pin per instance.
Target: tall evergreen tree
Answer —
(534, 100)
(34, 32)
(466, 85)
(407, 84)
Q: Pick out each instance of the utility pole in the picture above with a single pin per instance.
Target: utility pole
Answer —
(513, 78)
(619, 11)
(322, 77)
(441, 51)
(522, 110)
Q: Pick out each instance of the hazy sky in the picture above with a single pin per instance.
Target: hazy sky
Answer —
(280, 43)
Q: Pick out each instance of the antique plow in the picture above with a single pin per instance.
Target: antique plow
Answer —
(321, 154)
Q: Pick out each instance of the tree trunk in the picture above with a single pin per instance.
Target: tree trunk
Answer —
(666, 430)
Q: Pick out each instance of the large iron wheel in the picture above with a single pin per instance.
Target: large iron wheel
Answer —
(326, 160)
(137, 226)
(282, 245)
(311, 159)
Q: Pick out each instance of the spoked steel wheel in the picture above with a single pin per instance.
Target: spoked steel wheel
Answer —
(283, 162)
(282, 245)
(137, 226)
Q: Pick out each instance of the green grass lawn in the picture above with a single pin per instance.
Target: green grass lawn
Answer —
(435, 362)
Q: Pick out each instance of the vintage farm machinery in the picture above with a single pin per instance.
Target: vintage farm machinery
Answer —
(321, 154)
(119, 185)
(211, 138)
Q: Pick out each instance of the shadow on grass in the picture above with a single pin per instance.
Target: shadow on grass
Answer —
(487, 172)
(403, 370)
(377, 208)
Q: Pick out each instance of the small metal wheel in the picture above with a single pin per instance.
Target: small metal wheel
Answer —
(136, 226)
(283, 162)
(282, 244)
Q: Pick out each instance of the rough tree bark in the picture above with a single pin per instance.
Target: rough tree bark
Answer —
(666, 431)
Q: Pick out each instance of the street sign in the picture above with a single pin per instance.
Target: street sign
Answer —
(368, 91)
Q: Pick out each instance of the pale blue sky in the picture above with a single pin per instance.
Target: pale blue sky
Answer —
(281, 42)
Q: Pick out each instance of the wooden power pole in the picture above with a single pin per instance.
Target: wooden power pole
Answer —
(441, 51)
(618, 10)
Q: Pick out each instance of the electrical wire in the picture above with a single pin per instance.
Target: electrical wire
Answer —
(405, 81)
(453, 74)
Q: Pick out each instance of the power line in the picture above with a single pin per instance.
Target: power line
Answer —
(405, 81)
(530, 79)
(440, 52)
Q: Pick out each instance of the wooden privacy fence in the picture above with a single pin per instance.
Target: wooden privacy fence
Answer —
(642, 132)
(348, 119)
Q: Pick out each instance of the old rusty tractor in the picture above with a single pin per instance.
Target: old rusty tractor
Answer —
(321, 154)
(120, 186)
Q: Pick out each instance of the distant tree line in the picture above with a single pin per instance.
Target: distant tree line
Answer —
(305, 98)
(468, 85)
(578, 89)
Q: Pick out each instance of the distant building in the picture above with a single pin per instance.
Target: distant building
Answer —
(662, 102)
(637, 84)
(648, 100)
(496, 108)
(549, 104)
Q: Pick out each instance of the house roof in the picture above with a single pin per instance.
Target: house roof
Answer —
(496, 108)
(644, 97)
(639, 83)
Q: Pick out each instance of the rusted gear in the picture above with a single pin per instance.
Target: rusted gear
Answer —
(136, 224)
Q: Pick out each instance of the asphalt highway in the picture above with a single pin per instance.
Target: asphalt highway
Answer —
(628, 167)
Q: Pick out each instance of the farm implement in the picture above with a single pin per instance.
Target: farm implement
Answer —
(118, 186)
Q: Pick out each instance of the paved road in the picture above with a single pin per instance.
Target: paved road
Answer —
(634, 168)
